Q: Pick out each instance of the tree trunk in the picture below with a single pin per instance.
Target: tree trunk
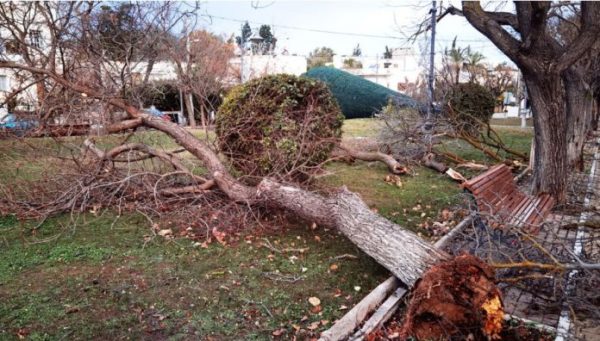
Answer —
(550, 122)
(579, 115)
(189, 107)
(400, 251)
(203, 116)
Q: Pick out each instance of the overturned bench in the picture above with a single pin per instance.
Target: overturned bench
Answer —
(496, 195)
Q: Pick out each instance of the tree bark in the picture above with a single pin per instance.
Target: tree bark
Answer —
(550, 127)
(393, 165)
(189, 107)
(400, 251)
(579, 115)
(542, 59)
(203, 116)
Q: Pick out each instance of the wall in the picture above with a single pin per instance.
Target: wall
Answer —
(258, 66)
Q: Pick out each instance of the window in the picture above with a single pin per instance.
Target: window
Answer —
(3, 83)
(35, 38)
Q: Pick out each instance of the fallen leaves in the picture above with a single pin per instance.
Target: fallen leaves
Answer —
(314, 301)
(279, 332)
(394, 180)
(165, 233)
(220, 236)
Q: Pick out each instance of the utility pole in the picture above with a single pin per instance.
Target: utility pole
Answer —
(430, 108)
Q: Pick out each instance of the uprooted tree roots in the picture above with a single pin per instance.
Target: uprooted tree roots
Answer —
(453, 300)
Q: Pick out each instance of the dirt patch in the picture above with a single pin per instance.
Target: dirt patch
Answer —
(455, 299)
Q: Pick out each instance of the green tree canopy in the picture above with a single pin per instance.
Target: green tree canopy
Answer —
(320, 57)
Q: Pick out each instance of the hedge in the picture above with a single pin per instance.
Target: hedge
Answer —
(358, 97)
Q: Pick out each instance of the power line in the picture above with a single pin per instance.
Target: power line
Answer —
(354, 34)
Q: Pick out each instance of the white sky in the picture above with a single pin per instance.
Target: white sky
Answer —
(394, 20)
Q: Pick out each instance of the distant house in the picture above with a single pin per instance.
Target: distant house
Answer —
(396, 73)
(37, 37)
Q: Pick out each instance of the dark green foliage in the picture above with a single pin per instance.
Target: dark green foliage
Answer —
(388, 53)
(246, 33)
(320, 57)
(269, 39)
(357, 52)
(359, 98)
(163, 95)
(471, 106)
(279, 125)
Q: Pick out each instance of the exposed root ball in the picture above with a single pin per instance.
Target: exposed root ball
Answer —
(456, 299)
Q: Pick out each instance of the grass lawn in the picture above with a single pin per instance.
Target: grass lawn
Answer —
(511, 121)
(104, 280)
(110, 279)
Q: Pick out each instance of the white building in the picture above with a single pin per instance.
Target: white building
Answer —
(395, 73)
(253, 66)
(37, 37)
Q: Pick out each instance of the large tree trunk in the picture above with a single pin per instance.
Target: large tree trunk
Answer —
(579, 115)
(401, 252)
(550, 122)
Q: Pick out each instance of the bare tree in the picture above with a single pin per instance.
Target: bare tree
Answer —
(115, 176)
(202, 64)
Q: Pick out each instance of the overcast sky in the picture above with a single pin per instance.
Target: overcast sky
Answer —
(372, 24)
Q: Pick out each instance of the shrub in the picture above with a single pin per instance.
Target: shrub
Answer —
(358, 97)
(280, 125)
(470, 106)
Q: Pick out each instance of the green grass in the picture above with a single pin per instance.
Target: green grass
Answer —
(514, 138)
(511, 121)
(101, 280)
(108, 278)
(361, 127)
(422, 195)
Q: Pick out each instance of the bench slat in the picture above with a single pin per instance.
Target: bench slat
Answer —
(497, 194)
(490, 179)
(481, 177)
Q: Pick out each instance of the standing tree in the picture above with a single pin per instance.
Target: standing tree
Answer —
(453, 61)
(269, 40)
(473, 64)
(320, 57)
(209, 64)
(543, 59)
(387, 54)
(581, 86)
(357, 52)
(499, 80)
(242, 39)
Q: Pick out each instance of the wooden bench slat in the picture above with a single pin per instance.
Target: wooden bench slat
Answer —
(481, 176)
(497, 183)
(525, 202)
(497, 194)
(490, 180)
